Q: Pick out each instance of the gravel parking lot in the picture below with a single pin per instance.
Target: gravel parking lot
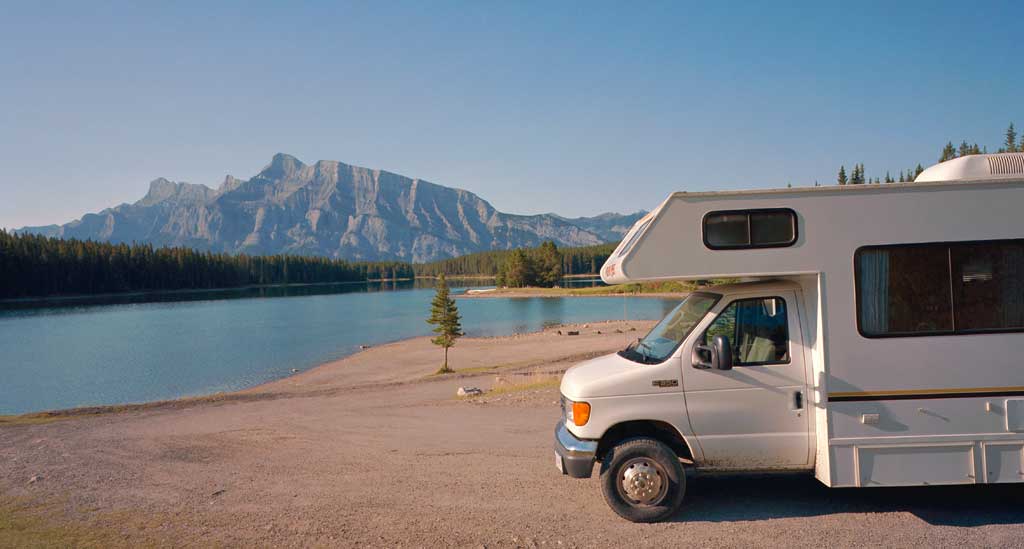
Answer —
(372, 451)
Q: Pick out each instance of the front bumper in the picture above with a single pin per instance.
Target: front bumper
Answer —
(574, 457)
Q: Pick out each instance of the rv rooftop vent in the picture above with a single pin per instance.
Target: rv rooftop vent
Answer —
(975, 167)
(1006, 164)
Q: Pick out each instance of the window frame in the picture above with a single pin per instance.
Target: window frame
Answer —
(789, 340)
(947, 245)
(748, 213)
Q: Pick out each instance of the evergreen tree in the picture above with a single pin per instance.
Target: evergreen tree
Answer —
(1011, 139)
(902, 178)
(549, 265)
(37, 266)
(948, 152)
(917, 171)
(857, 178)
(888, 178)
(577, 260)
(444, 316)
(965, 150)
(517, 271)
(842, 175)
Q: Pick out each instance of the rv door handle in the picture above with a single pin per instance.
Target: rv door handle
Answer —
(798, 400)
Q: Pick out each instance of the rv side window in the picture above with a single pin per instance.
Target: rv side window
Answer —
(940, 289)
(632, 240)
(758, 331)
(739, 229)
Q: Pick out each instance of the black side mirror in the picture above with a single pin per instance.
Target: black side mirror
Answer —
(723, 352)
(717, 356)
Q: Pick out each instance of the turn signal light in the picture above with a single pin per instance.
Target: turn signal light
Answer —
(580, 413)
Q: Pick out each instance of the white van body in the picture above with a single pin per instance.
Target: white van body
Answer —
(936, 405)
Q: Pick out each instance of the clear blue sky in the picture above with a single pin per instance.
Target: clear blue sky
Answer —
(572, 107)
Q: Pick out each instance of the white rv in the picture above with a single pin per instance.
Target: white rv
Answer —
(876, 340)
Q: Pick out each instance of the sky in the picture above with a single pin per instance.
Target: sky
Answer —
(575, 108)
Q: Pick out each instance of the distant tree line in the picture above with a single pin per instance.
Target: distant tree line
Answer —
(575, 261)
(949, 152)
(37, 266)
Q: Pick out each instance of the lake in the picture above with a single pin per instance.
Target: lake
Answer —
(138, 348)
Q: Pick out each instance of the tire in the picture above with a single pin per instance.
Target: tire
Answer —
(629, 485)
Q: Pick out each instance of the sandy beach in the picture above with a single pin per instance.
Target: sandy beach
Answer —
(374, 450)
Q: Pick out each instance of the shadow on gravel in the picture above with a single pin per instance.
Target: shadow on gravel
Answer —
(761, 497)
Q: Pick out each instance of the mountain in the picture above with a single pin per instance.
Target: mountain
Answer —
(332, 209)
(610, 227)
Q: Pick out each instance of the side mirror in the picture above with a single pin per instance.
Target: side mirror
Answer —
(722, 352)
(717, 356)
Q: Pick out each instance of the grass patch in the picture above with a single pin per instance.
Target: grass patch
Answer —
(25, 525)
(509, 388)
(36, 418)
(34, 524)
(502, 366)
(637, 288)
(30, 419)
(575, 357)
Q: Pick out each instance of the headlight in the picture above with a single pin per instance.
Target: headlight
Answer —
(576, 412)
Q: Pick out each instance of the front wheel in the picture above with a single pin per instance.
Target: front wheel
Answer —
(642, 480)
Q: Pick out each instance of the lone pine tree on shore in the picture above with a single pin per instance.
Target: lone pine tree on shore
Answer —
(444, 315)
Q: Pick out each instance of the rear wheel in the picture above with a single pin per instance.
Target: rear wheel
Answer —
(642, 480)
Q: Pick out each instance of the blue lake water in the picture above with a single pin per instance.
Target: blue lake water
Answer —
(143, 348)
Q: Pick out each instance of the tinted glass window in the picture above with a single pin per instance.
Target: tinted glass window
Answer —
(663, 339)
(727, 230)
(937, 289)
(988, 286)
(750, 229)
(905, 290)
(757, 329)
(632, 240)
(769, 228)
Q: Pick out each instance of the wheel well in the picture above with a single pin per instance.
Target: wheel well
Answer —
(658, 430)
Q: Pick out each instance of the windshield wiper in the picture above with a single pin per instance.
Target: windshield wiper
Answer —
(638, 349)
(641, 344)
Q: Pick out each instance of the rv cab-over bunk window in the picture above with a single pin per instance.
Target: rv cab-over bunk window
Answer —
(744, 229)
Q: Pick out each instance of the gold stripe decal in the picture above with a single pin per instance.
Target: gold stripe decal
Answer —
(907, 394)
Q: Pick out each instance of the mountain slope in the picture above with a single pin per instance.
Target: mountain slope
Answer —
(610, 227)
(332, 209)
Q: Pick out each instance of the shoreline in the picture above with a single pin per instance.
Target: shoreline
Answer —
(262, 391)
(55, 299)
(519, 293)
(76, 298)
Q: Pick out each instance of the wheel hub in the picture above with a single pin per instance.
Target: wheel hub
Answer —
(641, 481)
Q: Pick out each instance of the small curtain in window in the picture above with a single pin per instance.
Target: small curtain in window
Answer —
(874, 291)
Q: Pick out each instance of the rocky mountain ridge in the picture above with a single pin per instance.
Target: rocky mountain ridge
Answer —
(331, 209)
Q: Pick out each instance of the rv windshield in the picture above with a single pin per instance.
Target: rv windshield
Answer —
(663, 340)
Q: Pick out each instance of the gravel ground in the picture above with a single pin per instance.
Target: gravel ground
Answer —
(373, 451)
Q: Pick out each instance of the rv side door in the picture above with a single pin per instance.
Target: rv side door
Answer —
(753, 415)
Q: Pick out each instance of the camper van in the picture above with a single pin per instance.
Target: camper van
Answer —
(872, 337)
